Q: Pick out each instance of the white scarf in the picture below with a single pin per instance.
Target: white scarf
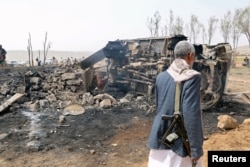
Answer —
(181, 71)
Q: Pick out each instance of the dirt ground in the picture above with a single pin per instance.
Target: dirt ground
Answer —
(115, 137)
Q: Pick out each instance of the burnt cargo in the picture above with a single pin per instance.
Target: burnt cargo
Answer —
(133, 64)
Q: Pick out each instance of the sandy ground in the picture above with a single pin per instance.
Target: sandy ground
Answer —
(115, 137)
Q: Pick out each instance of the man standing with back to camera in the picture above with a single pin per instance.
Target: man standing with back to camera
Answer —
(179, 71)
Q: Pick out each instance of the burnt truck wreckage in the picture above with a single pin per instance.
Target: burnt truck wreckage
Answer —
(133, 64)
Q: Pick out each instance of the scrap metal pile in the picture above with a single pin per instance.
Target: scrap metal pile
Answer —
(133, 64)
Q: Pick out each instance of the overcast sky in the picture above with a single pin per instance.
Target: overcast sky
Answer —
(87, 25)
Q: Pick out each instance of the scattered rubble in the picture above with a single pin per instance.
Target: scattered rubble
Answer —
(73, 109)
(10, 101)
(227, 122)
(246, 122)
(67, 90)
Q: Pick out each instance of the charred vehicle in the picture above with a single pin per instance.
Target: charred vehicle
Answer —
(133, 64)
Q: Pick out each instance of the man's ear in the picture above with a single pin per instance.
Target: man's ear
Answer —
(190, 56)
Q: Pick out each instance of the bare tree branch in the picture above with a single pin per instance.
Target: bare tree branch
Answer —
(46, 47)
(211, 28)
(194, 27)
(30, 51)
(225, 26)
(235, 31)
(157, 19)
(150, 25)
(244, 22)
(178, 26)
